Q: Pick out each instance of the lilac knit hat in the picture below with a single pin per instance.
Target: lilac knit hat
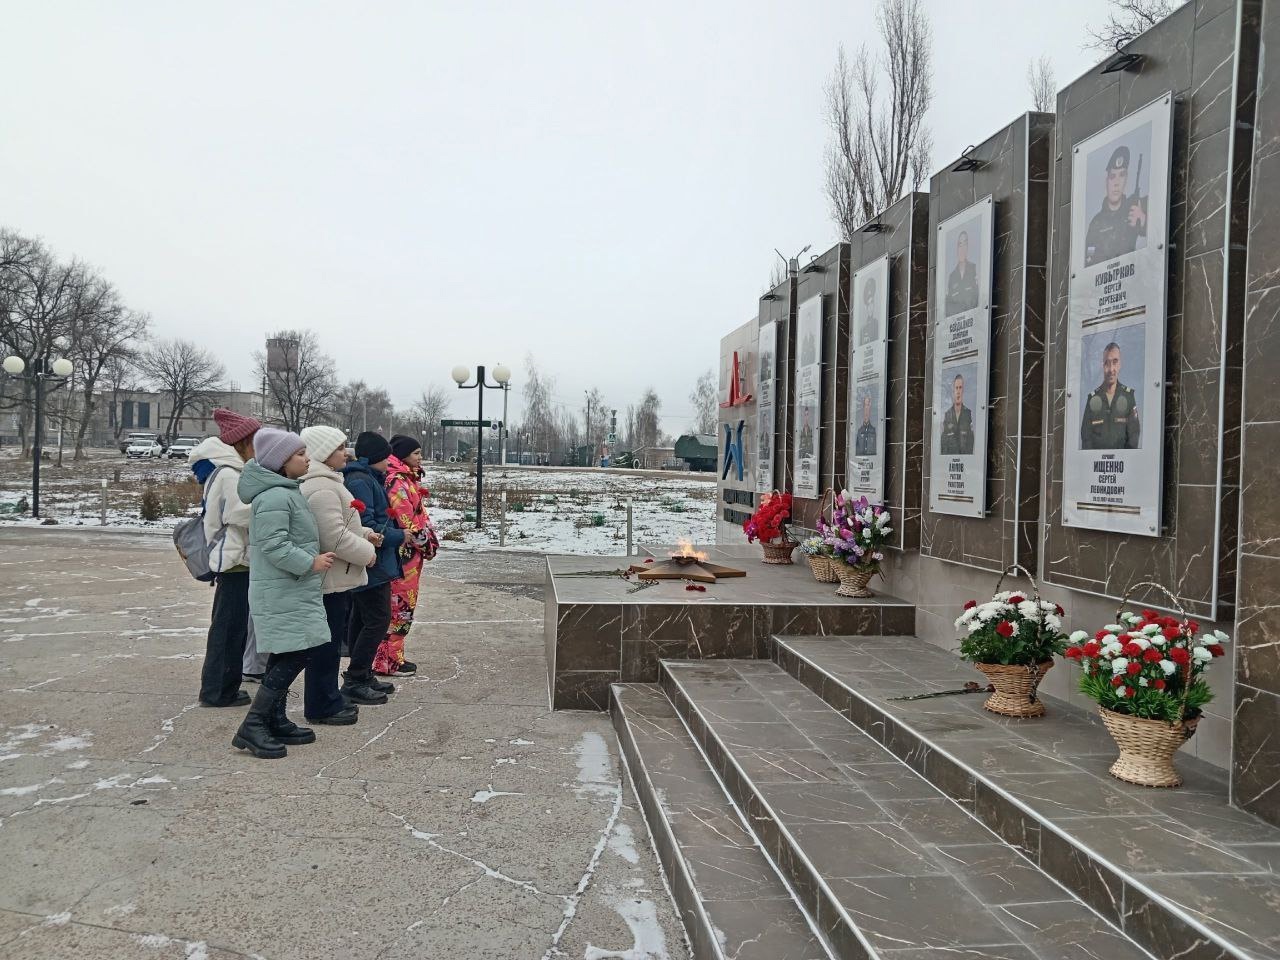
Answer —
(273, 446)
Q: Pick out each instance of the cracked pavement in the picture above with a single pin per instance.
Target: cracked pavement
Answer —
(462, 819)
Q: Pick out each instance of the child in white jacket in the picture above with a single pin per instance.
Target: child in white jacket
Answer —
(217, 463)
(341, 533)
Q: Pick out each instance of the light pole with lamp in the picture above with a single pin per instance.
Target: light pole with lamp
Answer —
(41, 370)
(502, 374)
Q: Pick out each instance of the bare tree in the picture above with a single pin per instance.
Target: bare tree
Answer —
(539, 409)
(595, 420)
(880, 146)
(357, 407)
(647, 419)
(1041, 84)
(187, 373)
(303, 392)
(121, 375)
(1126, 20)
(433, 404)
(706, 402)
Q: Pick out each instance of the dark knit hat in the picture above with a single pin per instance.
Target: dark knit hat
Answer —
(372, 447)
(402, 445)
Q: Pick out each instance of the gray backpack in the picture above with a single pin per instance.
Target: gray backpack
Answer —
(192, 545)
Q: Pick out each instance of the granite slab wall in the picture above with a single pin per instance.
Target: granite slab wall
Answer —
(1255, 773)
(827, 275)
(734, 497)
(1205, 52)
(1014, 170)
(902, 232)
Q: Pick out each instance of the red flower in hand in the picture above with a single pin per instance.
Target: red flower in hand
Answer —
(1004, 628)
(357, 505)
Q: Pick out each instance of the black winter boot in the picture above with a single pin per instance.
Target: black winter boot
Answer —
(254, 734)
(380, 685)
(357, 688)
(285, 730)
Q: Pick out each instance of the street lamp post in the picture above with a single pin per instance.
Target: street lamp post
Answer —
(502, 374)
(41, 370)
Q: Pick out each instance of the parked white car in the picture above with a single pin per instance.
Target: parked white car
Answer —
(140, 449)
(183, 446)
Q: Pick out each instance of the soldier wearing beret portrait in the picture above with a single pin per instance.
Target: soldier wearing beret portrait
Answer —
(1110, 420)
(1115, 229)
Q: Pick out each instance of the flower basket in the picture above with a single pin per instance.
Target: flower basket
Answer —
(823, 567)
(1146, 748)
(1016, 686)
(1145, 672)
(1012, 640)
(778, 551)
(853, 580)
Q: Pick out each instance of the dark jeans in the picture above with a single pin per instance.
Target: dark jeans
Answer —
(283, 668)
(370, 618)
(322, 698)
(224, 650)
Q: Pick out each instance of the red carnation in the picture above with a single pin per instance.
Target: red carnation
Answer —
(1158, 684)
(1131, 649)
(1116, 681)
(1150, 615)
(1167, 622)
(1057, 608)
(357, 505)
(1180, 656)
(1092, 648)
(970, 604)
(1171, 633)
(1133, 669)
(1216, 649)
(1126, 691)
(1073, 653)
(1102, 635)
(1152, 655)
(1004, 628)
(1017, 598)
(1192, 627)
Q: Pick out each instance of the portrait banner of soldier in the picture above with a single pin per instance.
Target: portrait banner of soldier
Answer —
(868, 377)
(807, 423)
(1112, 465)
(961, 349)
(766, 392)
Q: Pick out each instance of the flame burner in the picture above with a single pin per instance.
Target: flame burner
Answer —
(688, 564)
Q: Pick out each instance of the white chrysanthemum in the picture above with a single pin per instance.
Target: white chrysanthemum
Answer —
(1169, 667)
(1028, 609)
(1202, 654)
(1151, 628)
(1002, 595)
(1111, 648)
(988, 611)
(1130, 617)
(1143, 642)
(975, 626)
(1159, 640)
(1119, 664)
(1079, 637)
(1114, 628)
(1142, 681)
(1053, 622)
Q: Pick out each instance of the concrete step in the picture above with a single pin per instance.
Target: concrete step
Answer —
(1181, 872)
(735, 906)
(884, 864)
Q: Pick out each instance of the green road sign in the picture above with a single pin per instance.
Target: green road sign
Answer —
(466, 423)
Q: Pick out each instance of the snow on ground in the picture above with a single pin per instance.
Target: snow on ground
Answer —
(548, 511)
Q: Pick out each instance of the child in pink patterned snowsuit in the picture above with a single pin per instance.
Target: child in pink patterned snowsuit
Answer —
(408, 506)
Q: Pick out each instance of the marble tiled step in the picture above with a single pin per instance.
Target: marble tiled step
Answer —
(733, 903)
(1181, 872)
(885, 864)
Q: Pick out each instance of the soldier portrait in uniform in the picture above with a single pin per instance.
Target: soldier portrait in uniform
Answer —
(962, 281)
(956, 438)
(864, 441)
(804, 441)
(1109, 414)
(1115, 229)
(868, 313)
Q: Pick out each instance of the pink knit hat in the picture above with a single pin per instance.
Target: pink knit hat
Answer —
(234, 427)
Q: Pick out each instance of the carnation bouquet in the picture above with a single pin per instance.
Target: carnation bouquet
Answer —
(1147, 666)
(770, 520)
(1011, 629)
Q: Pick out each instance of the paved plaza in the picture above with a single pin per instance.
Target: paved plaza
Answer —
(463, 819)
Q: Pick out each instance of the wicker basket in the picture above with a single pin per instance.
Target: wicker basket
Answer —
(1016, 686)
(1146, 748)
(824, 568)
(853, 580)
(778, 551)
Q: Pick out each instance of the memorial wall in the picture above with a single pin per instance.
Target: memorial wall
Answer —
(1079, 298)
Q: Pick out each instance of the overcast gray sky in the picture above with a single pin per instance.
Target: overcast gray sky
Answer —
(424, 184)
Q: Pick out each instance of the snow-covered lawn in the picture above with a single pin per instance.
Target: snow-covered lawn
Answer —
(548, 511)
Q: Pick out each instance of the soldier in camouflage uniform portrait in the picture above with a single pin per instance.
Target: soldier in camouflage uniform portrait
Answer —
(957, 423)
(864, 443)
(1110, 419)
(1115, 229)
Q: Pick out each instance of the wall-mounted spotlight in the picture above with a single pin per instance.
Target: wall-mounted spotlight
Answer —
(967, 161)
(1122, 61)
(873, 226)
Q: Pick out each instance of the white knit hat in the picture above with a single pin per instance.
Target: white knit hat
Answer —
(322, 441)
